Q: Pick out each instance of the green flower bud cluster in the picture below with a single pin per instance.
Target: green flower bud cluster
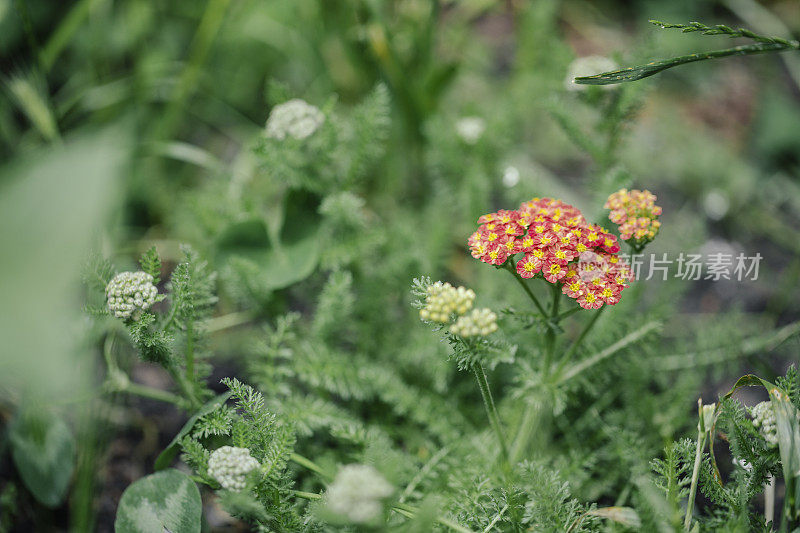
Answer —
(295, 118)
(230, 466)
(479, 322)
(443, 299)
(130, 293)
(357, 492)
(764, 420)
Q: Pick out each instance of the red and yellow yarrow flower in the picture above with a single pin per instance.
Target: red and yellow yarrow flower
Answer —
(636, 214)
(558, 245)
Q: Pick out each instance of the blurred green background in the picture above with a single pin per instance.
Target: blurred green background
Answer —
(128, 123)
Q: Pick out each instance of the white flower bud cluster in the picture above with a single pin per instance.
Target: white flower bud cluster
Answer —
(357, 493)
(230, 466)
(764, 420)
(444, 299)
(479, 322)
(129, 293)
(295, 118)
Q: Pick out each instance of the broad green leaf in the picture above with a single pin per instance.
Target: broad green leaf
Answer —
(43, 449)
(56, 200)
(165, 457)
(281, 261)
(166, 501)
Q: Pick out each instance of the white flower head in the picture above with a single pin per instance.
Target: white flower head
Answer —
(295, 118)
(510, 176)
(357, 493)
(480, 322)
(444, 299)
(588, 66)
(764, 420)
(130, 293)
(470, 129)
(230, 466)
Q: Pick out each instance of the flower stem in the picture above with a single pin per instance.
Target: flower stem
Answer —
(491, 411)
(154, 394)
(550, 336)
(311, 465)
(576, 344)
(698, 457)
(526, 289)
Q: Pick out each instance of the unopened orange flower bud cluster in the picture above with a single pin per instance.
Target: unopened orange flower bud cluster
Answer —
(636, 214)
(559, 245)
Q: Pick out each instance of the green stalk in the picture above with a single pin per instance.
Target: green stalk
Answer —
(576, 344)
(311, 465)
(190, 351)
(153, 394)
(526, 289)
(698, 456)
(491, 411)
(550, 336)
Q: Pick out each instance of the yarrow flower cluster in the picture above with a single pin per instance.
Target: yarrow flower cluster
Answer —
(764, 421)
(230, 466)
(559, 245)
(443, 299)
(130, 293)
(636, 214)
(480, 322)
(357, 493)
(295, 118)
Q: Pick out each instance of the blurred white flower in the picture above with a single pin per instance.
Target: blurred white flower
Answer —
(470, 129)
(357, 493)
(588, 66)
(230, 466)
(130, 293)
(295, 118)
(716, 204)
(510, 176)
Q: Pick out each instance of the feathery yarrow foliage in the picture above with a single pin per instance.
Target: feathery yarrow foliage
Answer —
(295, 118)
(130, 293)
(358, 493)
(230, 465)
(559, 246)
(636, 215)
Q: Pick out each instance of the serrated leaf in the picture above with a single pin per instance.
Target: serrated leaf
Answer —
(165, 457)
(43, 449)
(166, 501)
(654, 67)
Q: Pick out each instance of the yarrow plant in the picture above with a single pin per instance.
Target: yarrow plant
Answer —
(296, 119)
(764, 421)
(130, 293)
(559, 246)
(230, 465)
(357, 494)
(636, 215)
